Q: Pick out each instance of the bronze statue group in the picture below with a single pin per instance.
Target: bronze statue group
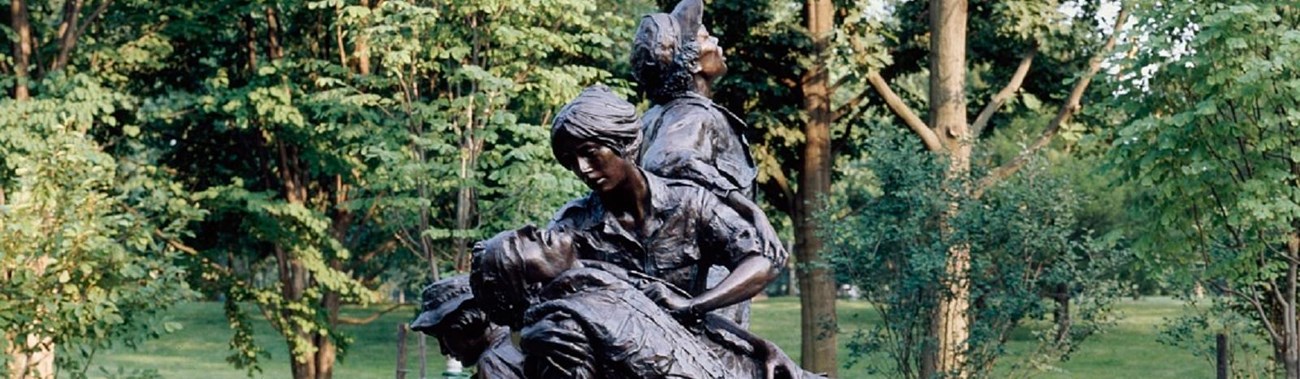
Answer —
(651, 274)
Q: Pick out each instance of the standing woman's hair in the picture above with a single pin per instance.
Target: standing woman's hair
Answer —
(665, 53)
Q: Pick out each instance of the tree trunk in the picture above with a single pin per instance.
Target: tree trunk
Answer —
(426, 244)
(31, 356)
(465, 215)
(22, 48)
(951, 321)
(273, 34)
(294, 276)
(791, 274)
(293, 282)
(331, 301)
(362, 47)
(466, 197)
(250, 42)
(326, 350)
(1291, 347)
(1062, 313)
(295, 279)
(817, 285)
(33, 361)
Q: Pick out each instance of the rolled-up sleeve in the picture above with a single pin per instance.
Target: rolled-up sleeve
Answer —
(731, 238)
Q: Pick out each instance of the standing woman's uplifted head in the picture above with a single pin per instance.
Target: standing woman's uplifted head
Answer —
(674, 54)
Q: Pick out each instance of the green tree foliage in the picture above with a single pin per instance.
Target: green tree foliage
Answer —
(968, 49)
(341, 144)
(471, 88)
(1027, 65)
(1031, 258)
(89, 218)
(335, 144)
(86, 262)
(1210, 103)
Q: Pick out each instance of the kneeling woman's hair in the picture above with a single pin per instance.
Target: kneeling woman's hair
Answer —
(498, 276)
(596, 115)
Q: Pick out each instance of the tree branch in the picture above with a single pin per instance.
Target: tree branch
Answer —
(344, 320)
(895, 103)
(71, 31)
(849, 106)
(250, 40)
(1067, 110)
(782, 195)
(103, 7)
(386, 247)
(178, 245)
(405, 239)
(67, 26)
(1263, 314)
(343, 48)
(274, 49)
(835, 86)
(783, 184)
(1001, 97)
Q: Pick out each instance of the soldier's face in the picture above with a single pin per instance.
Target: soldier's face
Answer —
(546, 254)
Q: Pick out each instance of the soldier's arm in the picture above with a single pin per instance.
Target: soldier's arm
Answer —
(556, 347)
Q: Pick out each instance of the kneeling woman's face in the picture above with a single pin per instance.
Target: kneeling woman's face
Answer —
(599, 167)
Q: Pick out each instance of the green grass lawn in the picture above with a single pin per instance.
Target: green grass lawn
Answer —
(1128, 350)
(199, 350)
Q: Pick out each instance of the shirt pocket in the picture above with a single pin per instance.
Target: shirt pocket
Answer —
(675, 247)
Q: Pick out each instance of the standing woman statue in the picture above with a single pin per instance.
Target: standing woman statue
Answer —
(685, 135)
(675, 61)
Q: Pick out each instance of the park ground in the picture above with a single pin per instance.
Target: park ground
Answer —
(1127, 350)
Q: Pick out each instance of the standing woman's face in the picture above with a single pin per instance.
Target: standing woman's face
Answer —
(713, 64)
(600, 167)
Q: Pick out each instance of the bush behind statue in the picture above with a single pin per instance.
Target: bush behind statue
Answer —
(1031, 258)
